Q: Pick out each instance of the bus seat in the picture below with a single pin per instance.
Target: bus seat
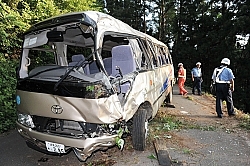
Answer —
(93, 68)
(122, 57)
(108, 64)
(78, 59)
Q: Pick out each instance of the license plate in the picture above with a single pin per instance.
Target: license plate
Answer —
(55, 147)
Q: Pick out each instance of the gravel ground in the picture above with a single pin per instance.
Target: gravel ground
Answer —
(215, 148)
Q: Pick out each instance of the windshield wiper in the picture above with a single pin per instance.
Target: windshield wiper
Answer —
(71, 69)
(40, 72)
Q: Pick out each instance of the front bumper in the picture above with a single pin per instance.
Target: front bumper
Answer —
(86, 145)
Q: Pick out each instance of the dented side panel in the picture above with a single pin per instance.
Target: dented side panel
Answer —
(103, 110)
(150, 86)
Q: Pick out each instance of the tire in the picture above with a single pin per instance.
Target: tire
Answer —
(140, 129)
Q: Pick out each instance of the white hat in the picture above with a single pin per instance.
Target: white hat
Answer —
(225, 61)
(180, 64)
(198, 63)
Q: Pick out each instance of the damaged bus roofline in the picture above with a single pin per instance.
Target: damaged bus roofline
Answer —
(85, 79)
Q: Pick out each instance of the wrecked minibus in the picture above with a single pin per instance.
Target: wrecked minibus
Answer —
(86, 80)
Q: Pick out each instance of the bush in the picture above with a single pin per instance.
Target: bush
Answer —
(7, 93)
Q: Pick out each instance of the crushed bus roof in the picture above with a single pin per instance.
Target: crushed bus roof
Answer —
(100, 22)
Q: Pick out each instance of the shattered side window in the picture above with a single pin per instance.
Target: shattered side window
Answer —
(162, 56)
(145, 62)
(167, 56)
(137, 52)
(152, 53)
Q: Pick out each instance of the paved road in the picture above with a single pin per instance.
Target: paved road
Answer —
(14, 152)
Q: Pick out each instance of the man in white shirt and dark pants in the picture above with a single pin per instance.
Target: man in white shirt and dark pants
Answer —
(196, 78)
(223, 78)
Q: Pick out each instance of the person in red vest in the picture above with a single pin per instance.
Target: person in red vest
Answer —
(182, 79)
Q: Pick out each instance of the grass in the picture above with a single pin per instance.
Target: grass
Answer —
(160, 126)
(163, 123)
(244, 119)
(186, 151)
(190, 98)
(203, 128)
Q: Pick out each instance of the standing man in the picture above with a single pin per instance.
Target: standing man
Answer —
(196, 78)
(181, 79)
(223, 77)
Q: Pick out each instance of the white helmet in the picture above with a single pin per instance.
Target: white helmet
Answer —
(180, 64)
(198, 63)
(225, 61)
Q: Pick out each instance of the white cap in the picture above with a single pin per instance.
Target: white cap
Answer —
(198, 63)
(180, 64)
(225, 61)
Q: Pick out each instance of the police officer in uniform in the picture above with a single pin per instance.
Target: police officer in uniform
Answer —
(223, 77)
(196, 78)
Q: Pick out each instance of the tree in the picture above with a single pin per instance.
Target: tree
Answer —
(17, 16)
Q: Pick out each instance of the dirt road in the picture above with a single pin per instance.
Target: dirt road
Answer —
(216, 142)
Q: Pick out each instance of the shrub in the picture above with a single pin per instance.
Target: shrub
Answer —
(7, 93)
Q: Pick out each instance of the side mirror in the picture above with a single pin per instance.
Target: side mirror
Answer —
(55, 36)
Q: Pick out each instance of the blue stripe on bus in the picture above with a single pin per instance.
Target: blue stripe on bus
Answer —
(165, 85)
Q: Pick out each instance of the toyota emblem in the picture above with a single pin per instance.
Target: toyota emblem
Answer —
(56, 109)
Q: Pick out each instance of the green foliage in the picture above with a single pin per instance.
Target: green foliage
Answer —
(135, 12)
(11, 25)
(118, 140)
(163, 123)
(7, 93)
(245, 121)
(208, 34)
(152, 156)
(16, 16)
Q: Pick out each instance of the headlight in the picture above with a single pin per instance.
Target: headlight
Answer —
(25, 120)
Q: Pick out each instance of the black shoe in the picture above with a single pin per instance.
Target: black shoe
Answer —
(219, 116)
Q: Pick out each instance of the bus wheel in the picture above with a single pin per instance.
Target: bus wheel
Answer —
(140, 129)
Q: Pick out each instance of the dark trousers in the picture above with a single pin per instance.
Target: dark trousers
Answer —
(197, 84)
(223, 93)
